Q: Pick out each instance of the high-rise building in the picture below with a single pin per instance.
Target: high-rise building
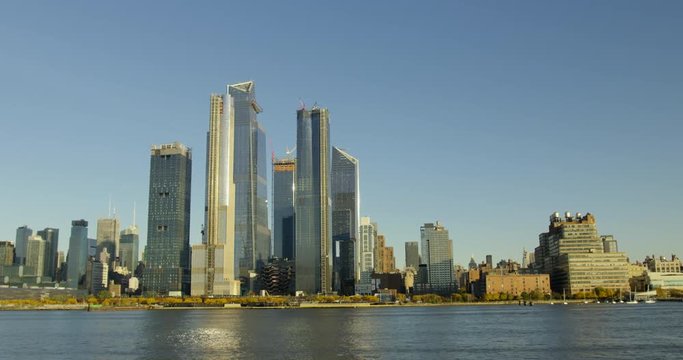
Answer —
(313, 230)
(252, 236)
(412, 254)
(51, 237)
(108, 237)
(609, 244)
(572, 252)
(284, 185)
(213, 262)
(437, 254)
(20, 243)
(35, 256)
(77, 257)
(366, 248)
(6, 253)
(345, 184)
(168, 222)
(129, 247)
(379, 252)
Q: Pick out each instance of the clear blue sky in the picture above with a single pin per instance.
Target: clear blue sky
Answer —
(485, 115)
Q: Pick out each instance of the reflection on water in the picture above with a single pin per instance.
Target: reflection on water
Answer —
(539, 332)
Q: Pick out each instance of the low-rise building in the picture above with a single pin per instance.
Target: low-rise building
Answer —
(663, 265)
(513, 284)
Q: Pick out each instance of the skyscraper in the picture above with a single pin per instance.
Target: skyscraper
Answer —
(20, 243)
(35, 256)
(412, 255)
(437, 254)
(77, 257)
(252, 236)
(108, 237)
(129, 248)
(168, 222)
(213, 262)
(6, 253)
(284, 185)
(345, 184)
(51, 237)
(366, 248)
(313, 241)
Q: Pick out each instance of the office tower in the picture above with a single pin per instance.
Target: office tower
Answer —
(6, 253)
(609, 244)
(168, 220)
(437, 254)
(92, 247)
(284, 185)
(366, 248)
(489, 261)
(213, 262)
(77, 257)
(572, 252)
(129, 247)
(252, 236)
(35, 256)
(388, 261)
(60, 272)
(345, 184)
(379, 253)
(313, 242)
(97, 275)
(51, 237)
(412, 254)
(108, 237)
(20, 243)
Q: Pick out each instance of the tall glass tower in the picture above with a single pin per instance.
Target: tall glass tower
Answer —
(252, 236)
(345, 219)
(51, 237)
(78, 254)
(284, 185)
(437, 253)
(168, 222)
(313, 231)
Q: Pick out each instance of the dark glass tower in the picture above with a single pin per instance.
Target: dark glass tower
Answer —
(345, 212)
(284, 182)
(78, 254)
(168, 223)
(252, 236)
(51, 237)
(313, 241)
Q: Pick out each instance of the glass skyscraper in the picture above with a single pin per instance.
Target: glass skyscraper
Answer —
(284, 185)
(129, 247)
(313, 239)
(252, 236)
(168, 222)
(345, 218)
(77, 257)
(437, 254)
(21, 243)
(51, 237)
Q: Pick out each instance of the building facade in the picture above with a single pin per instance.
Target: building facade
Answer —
(6, 253)
(51, 237)
(412, 254)
(345, 194)
(366, 249)
(77, 257)
(35, 256)
(108, 237)
(572, 252)
(313, 231)
(513, 284)
(215, 270)
(20, 243)
(168, 220)
(252, 235)
(284, 186)
(437, 254)
(129, 247)
(663, 265)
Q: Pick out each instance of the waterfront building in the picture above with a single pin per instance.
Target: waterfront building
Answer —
(108, 237)
(214, 269)
(412, 254)
(345, 185)
(437, 254)
(513, 284)
(313, 230)
(35, 256)
(367, 237)
(129, 247)
(609, 244)
(663, 265)
(284, 186)
(573, 254)
(278, 276)
(168, 221)
(77, 257)
(20, 243)
(6, 253)
(252, 235)
(51, 237)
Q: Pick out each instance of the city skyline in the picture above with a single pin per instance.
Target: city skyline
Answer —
(606, 114)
